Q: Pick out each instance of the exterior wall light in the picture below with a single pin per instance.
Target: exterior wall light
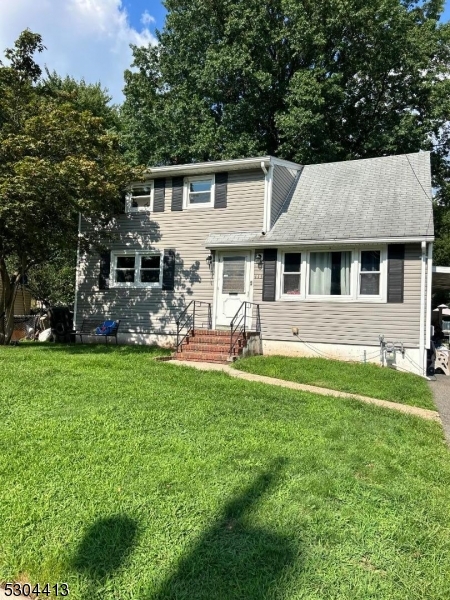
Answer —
(259, 260)
(209, 260)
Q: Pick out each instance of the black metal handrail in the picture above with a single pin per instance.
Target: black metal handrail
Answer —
(186, 320)
(239, 321)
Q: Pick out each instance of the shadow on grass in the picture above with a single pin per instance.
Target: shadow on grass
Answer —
(233, 559)
(105, 547)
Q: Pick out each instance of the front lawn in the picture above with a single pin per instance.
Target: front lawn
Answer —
(129, 478)
(355, 378)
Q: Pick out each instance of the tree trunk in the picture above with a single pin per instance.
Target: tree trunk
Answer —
(9, 290)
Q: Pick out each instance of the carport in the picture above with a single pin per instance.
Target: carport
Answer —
(441, 283)
(441, 279)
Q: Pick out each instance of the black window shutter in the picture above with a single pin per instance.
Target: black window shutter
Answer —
(169, 269)
(396, 272)
(159, 195)
(221, 183)
(269, 275)
(177, 193)
(105, 268)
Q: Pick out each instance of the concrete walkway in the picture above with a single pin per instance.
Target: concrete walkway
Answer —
(423, 413)
(441, 392)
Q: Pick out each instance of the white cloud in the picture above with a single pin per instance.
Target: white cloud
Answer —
(84, 38)
(147, 18)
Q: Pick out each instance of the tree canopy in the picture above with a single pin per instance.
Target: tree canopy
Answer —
(56, 160)
(307, 81)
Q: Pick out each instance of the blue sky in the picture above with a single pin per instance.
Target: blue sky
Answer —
(136, 8)
(89, 39)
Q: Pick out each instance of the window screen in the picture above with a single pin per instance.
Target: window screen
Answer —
(370, 273)
(200, 191)
(125, 269)
(291, 273)
(233, 275)
(150, 268)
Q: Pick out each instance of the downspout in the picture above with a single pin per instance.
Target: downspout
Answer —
(429, 290)
(422, 357)
(75, 305)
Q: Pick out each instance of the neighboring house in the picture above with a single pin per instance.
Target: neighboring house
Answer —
(22, 301)
(331, 256)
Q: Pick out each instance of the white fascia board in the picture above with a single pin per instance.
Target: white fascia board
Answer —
(285, 163)
(264, 243)
(210, 166)
(441, 270)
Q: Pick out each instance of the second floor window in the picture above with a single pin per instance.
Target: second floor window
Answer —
(140, 198)
(199, 192)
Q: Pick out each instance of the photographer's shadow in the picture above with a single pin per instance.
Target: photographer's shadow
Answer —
(234, 560)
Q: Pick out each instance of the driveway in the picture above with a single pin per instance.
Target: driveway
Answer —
(441, 392)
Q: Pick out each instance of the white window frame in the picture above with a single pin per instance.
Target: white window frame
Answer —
(382, 296)
(188, 180)
(280, 270)
(355, 270)
(129, 198)
(138, 254)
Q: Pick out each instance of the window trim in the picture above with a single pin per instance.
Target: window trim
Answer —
(188, 180)
(280, 270)
(129, 197)
(382, 296)
(138, 254)
(355, 268)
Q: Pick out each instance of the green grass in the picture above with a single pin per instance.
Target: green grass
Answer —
(130, 478)
(355, 378)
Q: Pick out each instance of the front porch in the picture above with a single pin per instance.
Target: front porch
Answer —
(198, 340)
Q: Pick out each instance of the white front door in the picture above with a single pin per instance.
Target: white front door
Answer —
(233, 286)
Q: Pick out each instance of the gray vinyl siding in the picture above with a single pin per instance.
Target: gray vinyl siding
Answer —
(153, 310)
(350, 322)
(282, 184)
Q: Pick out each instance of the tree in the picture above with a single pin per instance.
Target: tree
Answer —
(307, 81)
(56, 161)
(53, 282)
(83, 96)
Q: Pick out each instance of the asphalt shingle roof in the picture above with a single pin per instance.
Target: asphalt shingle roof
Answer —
(388, 197)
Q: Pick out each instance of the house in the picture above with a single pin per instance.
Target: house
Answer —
(328, 259)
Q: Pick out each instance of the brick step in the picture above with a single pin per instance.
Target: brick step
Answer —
(205, 347)
(211, 341)
(221, 357)
(217, 333)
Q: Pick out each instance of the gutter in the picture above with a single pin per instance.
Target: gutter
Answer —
(265, 242)
(211, 166)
